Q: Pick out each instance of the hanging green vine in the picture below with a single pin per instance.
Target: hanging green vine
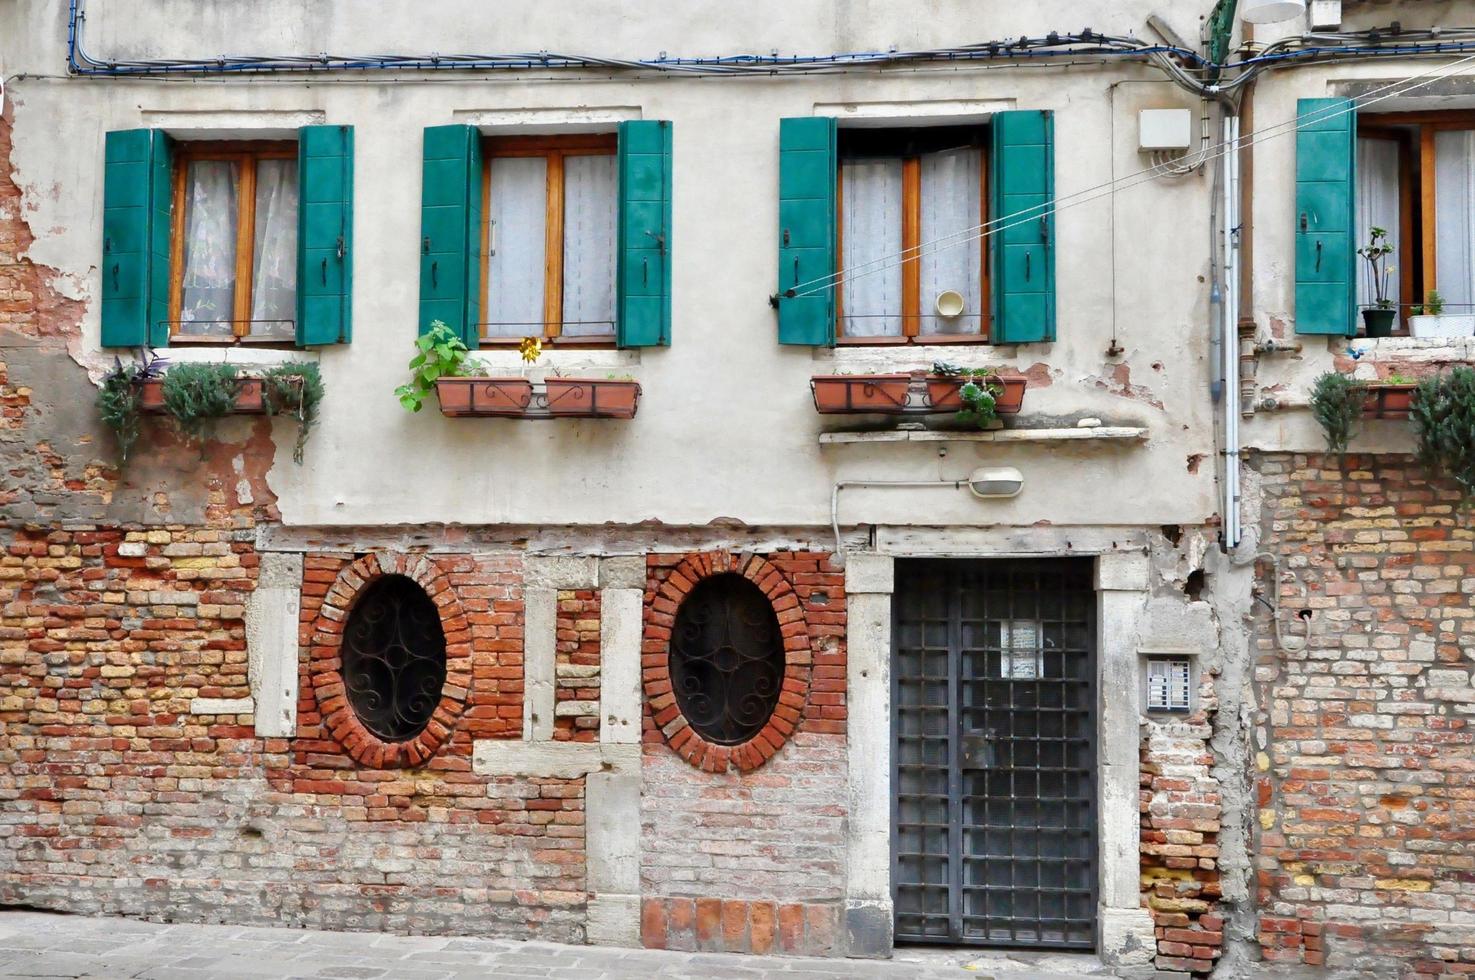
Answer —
(295, 388)
(1443, 414)
(198, 395)
(120, 399)
(1336, 404)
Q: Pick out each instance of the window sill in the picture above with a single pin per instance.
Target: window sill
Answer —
(1101, 434)
(565, 360)
(1418, 348)
(247, 356)
(858, 359)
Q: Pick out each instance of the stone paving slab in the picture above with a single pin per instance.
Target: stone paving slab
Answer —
(41, 946)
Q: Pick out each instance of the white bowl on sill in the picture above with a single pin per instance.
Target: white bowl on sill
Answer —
(1443, 325)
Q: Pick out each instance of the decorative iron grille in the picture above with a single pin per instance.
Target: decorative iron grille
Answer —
(394, 658)
(727, 659)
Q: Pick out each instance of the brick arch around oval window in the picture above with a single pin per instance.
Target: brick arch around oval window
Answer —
(664, 604)
(325, 662)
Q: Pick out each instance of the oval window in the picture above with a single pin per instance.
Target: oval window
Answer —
(394, 658)
(727, 659)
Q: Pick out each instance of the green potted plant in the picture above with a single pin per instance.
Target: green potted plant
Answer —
(443, 364)
(120, 398)
(849, 394)
(609, 397)
(295, 389)
(1430, 320)
(198, 395)
(1444, 417)
(1389, 398)
(1337, 404)
(945, 384)
(1377, 320)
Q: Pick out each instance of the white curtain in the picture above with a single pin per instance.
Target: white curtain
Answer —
(1454, 226)
(1377, 207)
(590, 219)
(518, 212)
(210, 248)
(872, 229)
(951, 187)
(274, 261)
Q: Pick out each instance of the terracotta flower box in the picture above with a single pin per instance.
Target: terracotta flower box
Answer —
(1388, 401)
(483, 397)
(842, 394)
(942, 392)
(250, 396)
(592, 398)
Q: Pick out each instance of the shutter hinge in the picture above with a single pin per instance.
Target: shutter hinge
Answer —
(660, 241)
(340, 248)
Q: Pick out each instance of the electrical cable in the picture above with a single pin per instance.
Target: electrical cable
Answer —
(987, 229)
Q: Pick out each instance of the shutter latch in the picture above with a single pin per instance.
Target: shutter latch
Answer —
(340, 248)
(660, 241)
(425, 245)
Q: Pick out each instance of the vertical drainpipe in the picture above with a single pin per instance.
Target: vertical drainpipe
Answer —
(1228, 324)
(1247, 360)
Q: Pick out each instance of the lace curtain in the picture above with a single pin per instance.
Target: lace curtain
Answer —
(590, 216)
(1454, 228)
(1377, 207)
(951, 187)
(274, 262)
(518, 211)
(210, 248)
(872, 229)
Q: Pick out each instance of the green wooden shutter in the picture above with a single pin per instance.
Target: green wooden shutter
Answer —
(644, 268)
(1326, 168)
(1022, 233)
(807, 230)
(450, 231)
(135, 238)
(324, 235)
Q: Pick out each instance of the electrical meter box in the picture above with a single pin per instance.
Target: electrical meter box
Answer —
(1165, 129)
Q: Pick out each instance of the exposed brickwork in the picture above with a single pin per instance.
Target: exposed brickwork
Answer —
(1366, 794)
(808, 651)
(576, 668)
(1181, 811)
(735, 926)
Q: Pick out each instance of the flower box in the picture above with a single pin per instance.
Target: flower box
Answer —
(942, 392)
(592, 398)
(1388, 401)
(1442, 325)
(250, 396)
(847, 394)
(483, 397)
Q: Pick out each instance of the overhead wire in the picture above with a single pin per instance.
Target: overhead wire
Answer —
(965, 236)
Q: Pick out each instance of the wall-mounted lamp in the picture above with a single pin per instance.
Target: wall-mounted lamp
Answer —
(1271, 11)
(995, 481)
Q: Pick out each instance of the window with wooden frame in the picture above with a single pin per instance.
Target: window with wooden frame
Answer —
(233, 245)
(899, 189)
(550, 228)
(1416, 180)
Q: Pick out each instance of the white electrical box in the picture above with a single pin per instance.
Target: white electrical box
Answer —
(1326, 15)
(1165, 129)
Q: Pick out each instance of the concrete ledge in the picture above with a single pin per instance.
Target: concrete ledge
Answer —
(1127, 936)
(222, 706)
(868, 929)
(1123, 572)
(870, 573)
(1108, 433)
(556, 760)
(613, 920)
(624, 572)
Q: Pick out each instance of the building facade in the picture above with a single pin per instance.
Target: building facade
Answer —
(1144, 672)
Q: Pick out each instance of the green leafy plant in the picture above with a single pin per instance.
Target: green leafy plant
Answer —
(198, 395)
(1433, 303)
(295, 388)
(1336, 403)
(980, 398)
(1397, 379)
(441, 354)
(1375, 253)
(120, 399)
(1443, 414)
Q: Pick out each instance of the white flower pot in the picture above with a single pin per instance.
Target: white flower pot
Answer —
(1443, 325)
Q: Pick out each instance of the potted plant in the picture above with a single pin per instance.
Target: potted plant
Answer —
(1389, 398)
(945, 384)
(120, 398)
(1337, 403)
(1377, 320)
(599, 398)
(1430, 320)
(1444, 417)
(295, 388)
(461, 383)
(841, 394)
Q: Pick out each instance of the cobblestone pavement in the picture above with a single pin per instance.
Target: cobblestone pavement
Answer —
(36, 944)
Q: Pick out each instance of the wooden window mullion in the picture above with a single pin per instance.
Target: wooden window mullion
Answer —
(985, 297)
(1427, 204)
(488, 242)
(245, 244)
(911, 237)
(839, 280)
(176, 247)
(553, 249)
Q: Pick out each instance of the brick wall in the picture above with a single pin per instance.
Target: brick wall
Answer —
(1366, 792)
(1181, 811)
(755, 859)
(576, 667)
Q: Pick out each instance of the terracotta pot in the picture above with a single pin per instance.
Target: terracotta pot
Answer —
(840, 394)
(592, 398)
(942, 393)
(250, 397)
(487, 397)
(1385, 401)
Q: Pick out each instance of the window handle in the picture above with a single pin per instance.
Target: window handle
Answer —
(325, 272)
(1304, 221)
(492, 237)
(645, 272)
(660, 241)
(796, 271)
(1318, 255)
(340, 248)
(1045, 229)
(425, 245)
(1027, 256)
(115, 277)
(434, 279)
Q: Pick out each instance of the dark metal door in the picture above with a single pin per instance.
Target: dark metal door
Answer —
(994, 753)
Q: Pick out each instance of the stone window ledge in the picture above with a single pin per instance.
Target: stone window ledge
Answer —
(1416, 348)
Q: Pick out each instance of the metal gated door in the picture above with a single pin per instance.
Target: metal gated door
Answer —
(994, 753)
